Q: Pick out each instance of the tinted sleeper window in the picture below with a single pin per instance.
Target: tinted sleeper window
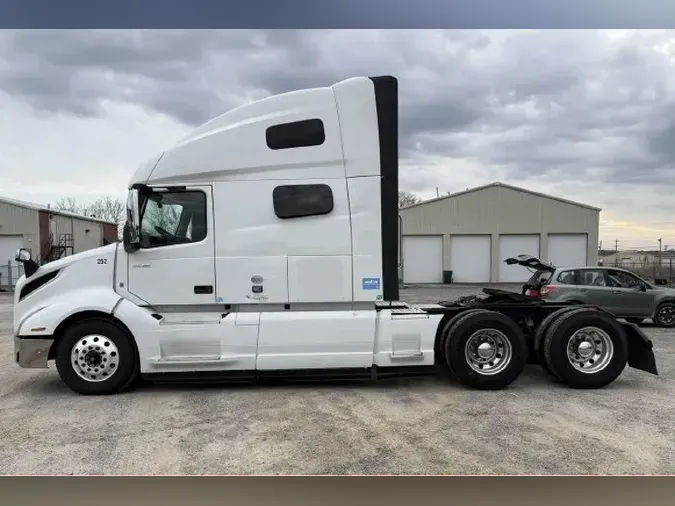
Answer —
(296, 201)
(297, 134)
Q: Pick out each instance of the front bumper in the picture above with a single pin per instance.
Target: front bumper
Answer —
(32, 352)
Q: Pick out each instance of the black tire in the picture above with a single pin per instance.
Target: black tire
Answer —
(556, 343)
(663, 315)
(636, 321)
(461, 332)
(447, 329)
(126, 370)
(540, 334)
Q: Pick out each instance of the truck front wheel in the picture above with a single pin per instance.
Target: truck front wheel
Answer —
(485, 350)
(96, 357)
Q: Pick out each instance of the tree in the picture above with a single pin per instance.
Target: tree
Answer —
(407, 199)
(108, 209)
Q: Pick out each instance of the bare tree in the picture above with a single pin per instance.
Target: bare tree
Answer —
(68, 204)
(407, 199)
(108, 209)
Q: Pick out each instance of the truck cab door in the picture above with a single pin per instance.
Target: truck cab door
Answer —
(175, 264)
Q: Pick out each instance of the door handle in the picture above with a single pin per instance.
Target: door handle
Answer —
(203, 289)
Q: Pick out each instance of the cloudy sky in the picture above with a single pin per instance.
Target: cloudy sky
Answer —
(589, 116)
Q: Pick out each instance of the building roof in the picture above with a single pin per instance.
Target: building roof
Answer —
(52, 210)
(503, 185)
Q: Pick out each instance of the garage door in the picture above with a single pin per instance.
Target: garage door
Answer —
(511, 246)
(568, 250)
(8, 246)
(422, 259)
(470, 258)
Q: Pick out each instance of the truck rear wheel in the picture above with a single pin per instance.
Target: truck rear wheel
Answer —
(485, 350)
(586, 348)
(447, 329)
(541, 334)
(96, 357)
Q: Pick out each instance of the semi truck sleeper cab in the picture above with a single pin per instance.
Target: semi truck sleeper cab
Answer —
(267, 243)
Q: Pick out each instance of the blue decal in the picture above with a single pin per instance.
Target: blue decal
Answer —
(371, 283)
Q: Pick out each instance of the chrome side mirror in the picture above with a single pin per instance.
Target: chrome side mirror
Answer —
(22, 255)
(30, 266)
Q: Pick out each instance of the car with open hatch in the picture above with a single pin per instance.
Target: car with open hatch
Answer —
(613, 289)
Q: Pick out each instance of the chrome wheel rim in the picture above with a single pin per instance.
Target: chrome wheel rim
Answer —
(667, 315)
(95, 358)
(590, 350)
(488, 351)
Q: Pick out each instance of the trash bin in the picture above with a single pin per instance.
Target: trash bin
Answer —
(447, 277)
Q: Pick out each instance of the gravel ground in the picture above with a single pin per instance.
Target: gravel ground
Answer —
(421, 426)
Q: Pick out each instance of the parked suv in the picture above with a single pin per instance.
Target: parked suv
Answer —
(611, 288)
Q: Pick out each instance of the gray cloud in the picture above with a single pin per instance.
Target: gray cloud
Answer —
(577, 105)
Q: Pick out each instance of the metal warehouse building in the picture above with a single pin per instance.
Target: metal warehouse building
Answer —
(48, 234)
(471, 233)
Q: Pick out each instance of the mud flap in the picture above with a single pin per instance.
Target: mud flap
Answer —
(640, 349)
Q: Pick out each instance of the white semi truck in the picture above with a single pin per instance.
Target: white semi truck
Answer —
(267, 244)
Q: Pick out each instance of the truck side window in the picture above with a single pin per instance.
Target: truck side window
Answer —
(297, 201)
(298, 134)
(173, 218)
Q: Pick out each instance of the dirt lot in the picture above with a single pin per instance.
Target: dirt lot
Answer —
(424, 426)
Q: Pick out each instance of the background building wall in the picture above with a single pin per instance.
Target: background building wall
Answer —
(15, 220)
(496, 210)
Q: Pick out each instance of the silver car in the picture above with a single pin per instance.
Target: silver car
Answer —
(611, 288)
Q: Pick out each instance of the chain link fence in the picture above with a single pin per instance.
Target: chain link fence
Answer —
(661, 272)
(9, 273)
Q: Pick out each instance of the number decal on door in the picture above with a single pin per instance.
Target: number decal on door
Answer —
(101, 261)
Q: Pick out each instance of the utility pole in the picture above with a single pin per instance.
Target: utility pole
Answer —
(659, 253)
(437, 194)
(616, 252)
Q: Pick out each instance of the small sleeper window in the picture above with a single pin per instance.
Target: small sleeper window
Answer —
(298, 134)
(297, 201)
